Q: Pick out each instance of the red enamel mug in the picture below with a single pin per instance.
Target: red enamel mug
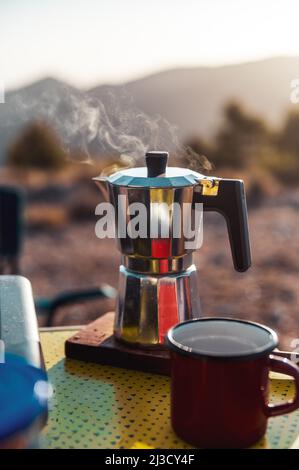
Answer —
(220, 381)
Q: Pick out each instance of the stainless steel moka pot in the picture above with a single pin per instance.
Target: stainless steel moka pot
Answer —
(157, 277)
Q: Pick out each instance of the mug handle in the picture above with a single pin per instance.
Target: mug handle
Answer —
(284, 366)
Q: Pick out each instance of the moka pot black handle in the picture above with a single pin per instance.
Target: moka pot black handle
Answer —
(230, 201)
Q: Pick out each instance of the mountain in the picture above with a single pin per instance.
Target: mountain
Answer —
(191, 99)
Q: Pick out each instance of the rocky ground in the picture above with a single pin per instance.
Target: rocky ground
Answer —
(69, 256)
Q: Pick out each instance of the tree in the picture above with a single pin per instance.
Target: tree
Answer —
(240, 137)
(37, 147)
(288, 138)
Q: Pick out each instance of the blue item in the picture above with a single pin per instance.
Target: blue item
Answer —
(20, 406)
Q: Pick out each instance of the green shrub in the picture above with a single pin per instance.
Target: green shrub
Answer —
(37, 147)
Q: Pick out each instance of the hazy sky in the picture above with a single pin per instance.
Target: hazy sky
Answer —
(87, 42)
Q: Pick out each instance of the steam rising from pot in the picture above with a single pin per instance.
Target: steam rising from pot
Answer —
(90, 127)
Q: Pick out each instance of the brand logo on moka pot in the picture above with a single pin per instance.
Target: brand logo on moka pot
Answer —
(155, 213)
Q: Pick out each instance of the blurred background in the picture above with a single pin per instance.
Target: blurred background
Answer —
(90, 83)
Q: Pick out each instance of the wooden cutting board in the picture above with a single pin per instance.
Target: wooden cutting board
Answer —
(96, 343)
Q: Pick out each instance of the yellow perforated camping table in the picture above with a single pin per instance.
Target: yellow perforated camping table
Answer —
(97, 406)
